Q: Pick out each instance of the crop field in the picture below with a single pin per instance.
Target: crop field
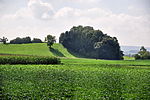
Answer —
(73, 79)
(77, 79)
(28, 60)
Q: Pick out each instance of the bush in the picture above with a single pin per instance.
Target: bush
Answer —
(21, 40)
(36, 40)
(28, 60)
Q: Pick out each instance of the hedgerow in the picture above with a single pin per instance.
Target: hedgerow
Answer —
(28, 60)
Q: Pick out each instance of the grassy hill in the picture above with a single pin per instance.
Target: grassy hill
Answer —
(39, 49)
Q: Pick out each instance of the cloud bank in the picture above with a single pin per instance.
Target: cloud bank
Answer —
(38, 18)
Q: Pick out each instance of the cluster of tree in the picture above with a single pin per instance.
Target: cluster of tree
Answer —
(4, 40)
(24, 40)
(142, 54)
(50, 40)
(87, 42)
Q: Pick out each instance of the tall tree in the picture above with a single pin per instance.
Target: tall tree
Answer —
(50, 40)
(87, 42)
(4, 40)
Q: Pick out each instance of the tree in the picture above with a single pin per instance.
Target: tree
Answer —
(36, 40)
(4, 40)
(50, 40)
(90, 43)
(19, 40)
(142, 54)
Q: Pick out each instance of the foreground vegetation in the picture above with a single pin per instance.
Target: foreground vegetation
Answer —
(77, 79)
(28, 60)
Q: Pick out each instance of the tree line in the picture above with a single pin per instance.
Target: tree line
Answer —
(49, 39)
(25, 40)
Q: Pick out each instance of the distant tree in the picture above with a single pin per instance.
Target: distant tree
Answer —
(143, 49)
(4, 40)
(142, 54)
(50, 40)
(36, 40)
(19, 40)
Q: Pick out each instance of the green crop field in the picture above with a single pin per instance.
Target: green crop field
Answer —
(74, 78)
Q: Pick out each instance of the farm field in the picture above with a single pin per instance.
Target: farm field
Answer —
(75, 79)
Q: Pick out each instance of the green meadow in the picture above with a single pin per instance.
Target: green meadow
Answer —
(73, 79)
(38, 49)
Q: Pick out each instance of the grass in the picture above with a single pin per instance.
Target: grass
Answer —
(128, 58)
(39, 49)
(105, 62)
(60, 51)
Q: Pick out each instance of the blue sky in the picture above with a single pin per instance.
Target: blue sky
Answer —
(128, 20)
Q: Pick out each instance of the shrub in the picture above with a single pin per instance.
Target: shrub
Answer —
(28, 60)
(21, 40)
(36, 40)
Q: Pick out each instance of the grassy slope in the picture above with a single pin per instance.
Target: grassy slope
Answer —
(39, 49)
(60, 51)
(26, 49)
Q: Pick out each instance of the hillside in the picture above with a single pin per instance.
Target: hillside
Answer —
(39, 49)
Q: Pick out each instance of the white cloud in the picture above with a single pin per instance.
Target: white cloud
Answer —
(40, 9)
(67, 12)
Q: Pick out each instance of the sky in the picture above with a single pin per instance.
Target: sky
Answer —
(128, 20)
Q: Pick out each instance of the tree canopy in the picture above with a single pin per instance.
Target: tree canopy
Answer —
(87, 42)
(4, 40)
(25, 40)
(36, 40)
(50, 40)
(19, 40)
(142, 54)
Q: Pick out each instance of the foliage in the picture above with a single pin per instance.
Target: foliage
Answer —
(28, 60)
(91, 43)
(4, 40)
(142, 54)
(50, 40)
(36, 40)
(75, 82)
(19, 40)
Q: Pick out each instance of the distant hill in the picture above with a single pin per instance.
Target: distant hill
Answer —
(39, 49)
(130, 50)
